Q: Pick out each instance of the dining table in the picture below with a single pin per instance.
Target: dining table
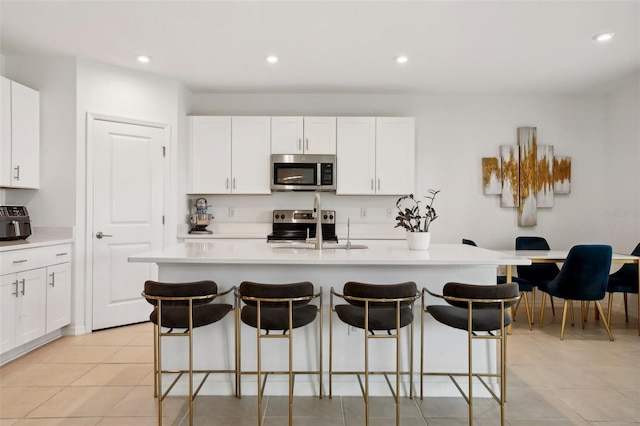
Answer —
(559, 256)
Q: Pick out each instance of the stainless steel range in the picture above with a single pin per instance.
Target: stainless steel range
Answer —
(297, 225)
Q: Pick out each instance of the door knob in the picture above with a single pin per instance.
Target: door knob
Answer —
(100, 235)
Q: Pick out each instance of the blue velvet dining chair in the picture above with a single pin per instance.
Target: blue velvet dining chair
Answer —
(537, 273)
(584, 276)
(524, 287)
(624, 280)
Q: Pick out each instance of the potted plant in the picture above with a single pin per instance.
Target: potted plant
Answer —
(416, 220)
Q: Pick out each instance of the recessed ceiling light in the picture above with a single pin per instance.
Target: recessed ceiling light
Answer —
(402, 59)
(272, 59)
(143, 59)
(603, 36)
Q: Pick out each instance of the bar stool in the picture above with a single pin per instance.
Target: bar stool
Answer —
(475, 309)
(182, 306)
(376, 307)
(280, 307)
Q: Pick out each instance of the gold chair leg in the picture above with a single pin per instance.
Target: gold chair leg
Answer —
(526, 308)
(626, 308)
(604, 321)
(422, 348)
(331, 348)
(609, 306)
(564, 318)
(544, 296)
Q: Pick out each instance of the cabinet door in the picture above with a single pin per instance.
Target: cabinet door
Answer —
(395, 155)
(356, 155)
(286, 135)
(32, 292)
(25, 137)
(320, 135)
(210, 155)
(251, 155)
(58, 296)
(5, 131)
(8, 301)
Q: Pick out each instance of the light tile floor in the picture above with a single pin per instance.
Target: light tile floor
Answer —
(105, 378)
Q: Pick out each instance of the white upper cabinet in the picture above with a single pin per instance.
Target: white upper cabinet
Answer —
(356, 155)
(287, 134)
(210, 155)
(395, 155)
(251, 155)
(376, 156)
(19, 135)
(230, 155)
(303, 135)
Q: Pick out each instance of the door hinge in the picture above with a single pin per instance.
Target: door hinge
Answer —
(164, 151)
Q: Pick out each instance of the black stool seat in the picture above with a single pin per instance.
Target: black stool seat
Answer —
(178, 316)
(459, 318)
(175, 313)
(274, 315)
(382, 314)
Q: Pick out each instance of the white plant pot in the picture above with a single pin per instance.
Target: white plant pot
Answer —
(418, 240)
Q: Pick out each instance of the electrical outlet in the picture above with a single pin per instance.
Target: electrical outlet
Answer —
(389, 212)
(363, 213)
(232, 212)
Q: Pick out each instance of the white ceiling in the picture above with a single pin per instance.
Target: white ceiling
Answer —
(339, 46)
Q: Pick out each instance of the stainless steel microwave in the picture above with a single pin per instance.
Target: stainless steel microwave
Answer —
(300, 172)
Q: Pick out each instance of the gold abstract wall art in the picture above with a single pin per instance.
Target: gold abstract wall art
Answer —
(562, 175)
(491, 181)
(509, 157)
(530, 176)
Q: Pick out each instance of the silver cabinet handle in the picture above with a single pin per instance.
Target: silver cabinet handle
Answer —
(299, 144)
(100, 235)
(307, 147)
(17, 176)
(378, 184)
(53, 279)
(372, 184)
(20, 261)
(234, 183)
(62, 254)
(226, 184)
(24, 281)
(16, 284)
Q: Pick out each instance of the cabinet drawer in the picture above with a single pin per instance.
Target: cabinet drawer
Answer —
(21, 260)
(56, 254)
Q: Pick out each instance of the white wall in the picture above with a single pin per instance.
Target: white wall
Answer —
(453, 133)
(622, 214)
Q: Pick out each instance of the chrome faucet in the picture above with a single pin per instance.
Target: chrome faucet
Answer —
(317, 215)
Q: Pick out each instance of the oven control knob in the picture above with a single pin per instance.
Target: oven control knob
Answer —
(330, 216)
(282, 216)
(325, 216)
(277, 216)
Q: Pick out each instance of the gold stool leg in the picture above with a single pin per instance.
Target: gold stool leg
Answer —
(258, 366)
(366, 363)
(290, 363)
(159, 377)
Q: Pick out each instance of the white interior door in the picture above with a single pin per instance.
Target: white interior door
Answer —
(128, 184)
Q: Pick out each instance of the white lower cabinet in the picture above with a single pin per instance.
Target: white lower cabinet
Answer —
(35, 298)
(58, 296)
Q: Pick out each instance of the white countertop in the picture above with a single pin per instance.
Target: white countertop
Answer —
(41, 237)
(380, 252)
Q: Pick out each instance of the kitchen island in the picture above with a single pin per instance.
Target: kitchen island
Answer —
(229, 262)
